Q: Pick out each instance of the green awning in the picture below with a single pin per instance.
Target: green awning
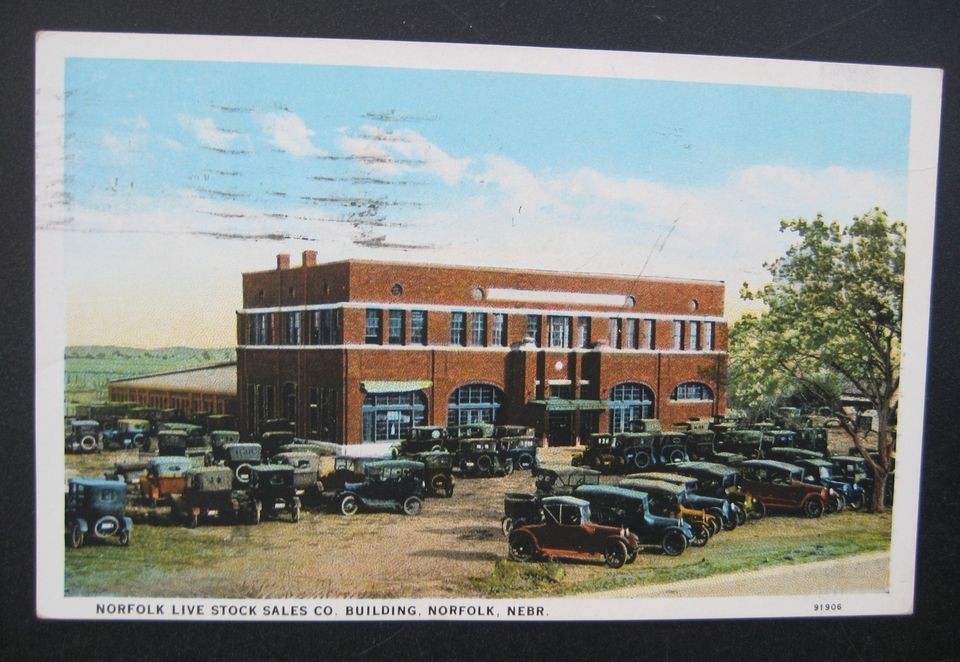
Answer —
(563, 404)
(388, 386)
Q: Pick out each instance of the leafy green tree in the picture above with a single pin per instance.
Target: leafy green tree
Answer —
(831, 323)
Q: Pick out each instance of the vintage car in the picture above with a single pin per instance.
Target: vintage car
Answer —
(183, 443)
(616, 506)
(438, 471)
(128, 433)
(306, 471)
(562, 479)
(518, 452)
(501, 431)
(273, 489)
(239, 458)
(717, 506)
(671, 447)
(670, 500)
(208, 491)
(425, 438)
(220, 438)
(618, 453)
(215, 422)
(742, 442)
(790, 455)
(813, 439)
(148, 413)
(83, 437)
(777, 439)
(567, 531)
(96, 508)
(272, 441)
(165, 477)
(387, 485)
(519, 510)
(780, 486)
(128, 472)
(305, 446)
(480, 456)
(721, 481)
(348, 469)
(700, 444)
(847, 493)
(471, 431)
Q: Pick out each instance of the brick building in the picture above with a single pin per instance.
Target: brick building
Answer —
(360, 351)
(212, 389)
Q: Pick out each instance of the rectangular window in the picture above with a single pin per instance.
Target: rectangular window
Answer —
(678, 334)
(533, 328)
(261, 329)
(478, 331)
(396, 327)
(708, 342)
(499, 329)
(614, 332)
(458, 328)
(559, 331)
(373, 326)
(418, 327)
(646, 335)
(293, 327)
(694, 335)
(324, 329)
(629, 333)
(583, 331)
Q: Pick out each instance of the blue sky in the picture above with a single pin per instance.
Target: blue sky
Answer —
(197, 171)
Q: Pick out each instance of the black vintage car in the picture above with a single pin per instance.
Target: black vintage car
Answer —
(273, 491)
(128, 433)
(721, 481)
(519, 510)
(209, 492)
(696, 498)
(845, 493)
(306, 472)
(96, 508)
(185, 441)
(480, 456)
(83, 437)
(240, 459)
(425, 438)
(387, 485)
(618, 453)
(437, 473)
(562, 479)
(518, 452)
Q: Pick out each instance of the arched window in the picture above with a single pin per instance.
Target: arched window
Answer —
(474, 403)
(389, 416)
(628, 402)
(692, 391)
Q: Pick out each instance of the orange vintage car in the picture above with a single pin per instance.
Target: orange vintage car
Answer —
(165, 476)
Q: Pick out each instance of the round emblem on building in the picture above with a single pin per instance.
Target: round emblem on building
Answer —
(396, 290)
(558, 365)
(477, 293)
(694, 304)
(630, 302)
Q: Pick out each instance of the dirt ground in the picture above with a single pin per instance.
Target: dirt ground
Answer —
(446, 551)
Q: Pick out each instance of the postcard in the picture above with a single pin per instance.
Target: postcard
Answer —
(356, 330)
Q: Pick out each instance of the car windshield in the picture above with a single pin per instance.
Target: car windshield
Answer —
(825, 473)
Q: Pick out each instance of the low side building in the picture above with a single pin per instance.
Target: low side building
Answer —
(358, 351)
(211, 389)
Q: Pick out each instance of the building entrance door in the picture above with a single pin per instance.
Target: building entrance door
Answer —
(560, 428)
(589, 423)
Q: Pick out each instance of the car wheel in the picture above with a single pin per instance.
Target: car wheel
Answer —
(75, 539)
(856, 503)
(508, 467)
(521, 548)
(673, 543)
(615, 555)
(740, 515)
(714, 524)
(835, 503)
(138, 441)
(759, 510)
(507, 525)
(726, 524)
(412, 505)
(632, 556)
(124, 537)
(484, 463)
(813, 508)
(88, 443)
(641, 460)
(525, 461)
(701, 536)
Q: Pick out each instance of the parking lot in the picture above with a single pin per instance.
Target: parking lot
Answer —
(451, 549)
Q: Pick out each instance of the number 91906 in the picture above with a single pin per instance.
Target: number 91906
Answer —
(827, 606)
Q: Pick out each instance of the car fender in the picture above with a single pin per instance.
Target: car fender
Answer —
(629, 544)
(521, 532)
(685, 531)
(813, 495)
(82, 523)
(128, 523)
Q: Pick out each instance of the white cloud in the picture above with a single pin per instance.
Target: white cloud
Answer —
(207, 133)
(397, 152)
(289, 133)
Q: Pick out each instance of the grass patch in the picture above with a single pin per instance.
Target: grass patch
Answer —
(510, 577)
(762, 545)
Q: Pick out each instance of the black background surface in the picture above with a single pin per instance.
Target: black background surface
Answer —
(920, 33)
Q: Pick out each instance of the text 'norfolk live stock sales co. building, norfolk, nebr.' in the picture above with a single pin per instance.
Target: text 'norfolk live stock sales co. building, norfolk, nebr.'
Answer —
(361, 350)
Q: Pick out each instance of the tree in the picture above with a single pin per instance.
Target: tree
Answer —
(832, 323)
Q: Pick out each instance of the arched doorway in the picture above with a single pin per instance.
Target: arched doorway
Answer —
(474, 403)
(628, 402)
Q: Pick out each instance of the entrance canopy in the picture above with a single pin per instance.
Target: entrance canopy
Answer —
(564, 404)
(387, 386)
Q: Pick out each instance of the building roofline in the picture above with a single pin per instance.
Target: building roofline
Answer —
(433, 265)
(225, 364)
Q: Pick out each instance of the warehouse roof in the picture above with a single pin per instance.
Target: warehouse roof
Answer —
(220, 378)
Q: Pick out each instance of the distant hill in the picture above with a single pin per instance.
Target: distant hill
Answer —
(89, 368)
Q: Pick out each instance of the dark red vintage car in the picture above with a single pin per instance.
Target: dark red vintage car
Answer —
(566, 530)
(780, 486)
